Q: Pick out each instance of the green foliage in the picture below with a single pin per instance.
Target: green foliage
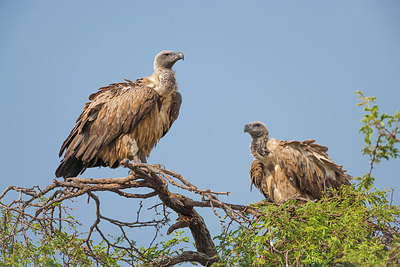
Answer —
(26, 244)
(164, 249)
(23, 243)
(380, 135)
(342, 229)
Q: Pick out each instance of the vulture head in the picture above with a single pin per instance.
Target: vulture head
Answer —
(167, 59)
(256, 129)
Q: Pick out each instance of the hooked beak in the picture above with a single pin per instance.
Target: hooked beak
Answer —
(247, 128)
(179, 55)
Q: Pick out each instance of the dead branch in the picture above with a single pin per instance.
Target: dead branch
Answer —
(47, 208)
(188, 256)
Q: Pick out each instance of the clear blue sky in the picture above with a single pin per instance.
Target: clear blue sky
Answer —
(294, 65)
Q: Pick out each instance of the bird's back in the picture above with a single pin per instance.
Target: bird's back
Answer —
(296, 168)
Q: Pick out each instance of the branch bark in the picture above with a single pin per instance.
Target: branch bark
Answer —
(143, 176)
(188, 256)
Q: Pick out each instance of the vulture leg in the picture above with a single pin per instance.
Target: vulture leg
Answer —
(143, 158)
(136, 159)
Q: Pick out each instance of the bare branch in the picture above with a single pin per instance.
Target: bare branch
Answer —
(50, 210)
(188, 256)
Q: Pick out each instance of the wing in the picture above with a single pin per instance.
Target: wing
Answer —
(308, 167)
(272, 182)
(114, 110)
(258, 177)
(174, 110)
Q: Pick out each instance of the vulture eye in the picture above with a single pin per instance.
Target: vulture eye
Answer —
(256, 125)
(167, 54)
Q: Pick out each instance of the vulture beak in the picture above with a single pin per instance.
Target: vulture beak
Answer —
(179, 55)
(247, 128)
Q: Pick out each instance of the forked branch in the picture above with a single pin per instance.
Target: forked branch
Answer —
(48, 208)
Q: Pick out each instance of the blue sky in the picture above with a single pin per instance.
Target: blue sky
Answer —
(294, 65)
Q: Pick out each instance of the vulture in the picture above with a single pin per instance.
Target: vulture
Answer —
(285, 169)
(123, 120)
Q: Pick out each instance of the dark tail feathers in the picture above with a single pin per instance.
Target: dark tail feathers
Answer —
(70, 167)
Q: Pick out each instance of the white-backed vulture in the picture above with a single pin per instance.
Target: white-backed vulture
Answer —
(285, 169)
(123, 120)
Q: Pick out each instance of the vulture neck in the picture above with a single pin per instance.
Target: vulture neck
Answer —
(258, 147)
(167, 83)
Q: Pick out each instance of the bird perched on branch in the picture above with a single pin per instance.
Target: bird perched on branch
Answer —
(123, 120)
(285, 169)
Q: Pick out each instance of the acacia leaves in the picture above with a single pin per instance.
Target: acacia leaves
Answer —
(381, 133)
(346, 228)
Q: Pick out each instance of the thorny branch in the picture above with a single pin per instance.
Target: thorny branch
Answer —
(46, 208)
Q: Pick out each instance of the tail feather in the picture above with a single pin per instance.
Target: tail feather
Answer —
(70, 167)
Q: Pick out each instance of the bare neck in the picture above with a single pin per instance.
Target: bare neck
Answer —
(167, 85)
(258, 146)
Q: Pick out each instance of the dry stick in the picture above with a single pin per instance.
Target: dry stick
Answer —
(155, 206)
(187, 256)
(95, 225)
(119, 180)
(130, 195)
(27, 191)
(59, 216)
(109, 184)
(60, 199)
(391, 198)
(42, 193)
(86, 188)
(188, 186)
(132, 246)
(34, 217)
(133, 224)
(154, 238)
(138, 212)
(166, 173)
(97, 221)
(228, 210)
(208, 193)
(104, 187)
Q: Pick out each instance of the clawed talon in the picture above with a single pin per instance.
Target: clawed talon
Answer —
(270, 200)
(124, 162)
(161, 166)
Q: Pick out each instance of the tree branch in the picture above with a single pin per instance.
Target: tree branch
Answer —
(143, 176)
(188, 256)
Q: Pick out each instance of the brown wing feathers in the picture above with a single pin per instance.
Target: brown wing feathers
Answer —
(113, 110)
(307, 164)
(258, 177)
(174, 109)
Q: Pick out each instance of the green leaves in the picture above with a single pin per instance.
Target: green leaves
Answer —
(380, 135)
(340, 229)
(170, 248)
